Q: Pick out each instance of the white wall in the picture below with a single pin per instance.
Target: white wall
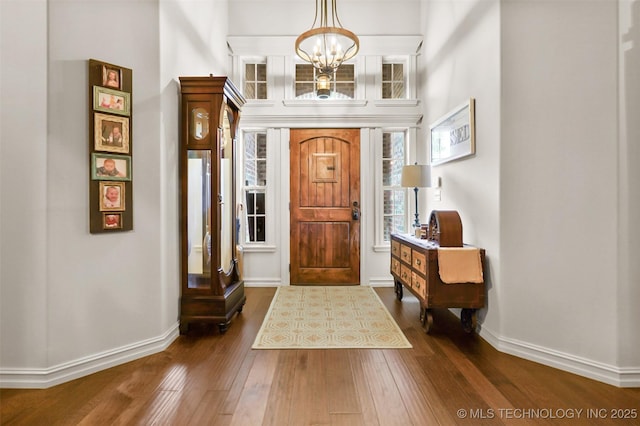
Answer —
(559, 203)
(544, 193)
(462, 60)
(629, 181)
(72, 302)
(99, 285)
(193, 34)
(23, 184)
(96, 296)
(292, 17)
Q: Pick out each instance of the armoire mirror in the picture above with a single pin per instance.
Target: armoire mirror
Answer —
(199, 248)
(227, 220)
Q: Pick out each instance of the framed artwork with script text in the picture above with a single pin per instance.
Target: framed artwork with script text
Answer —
(453, 136)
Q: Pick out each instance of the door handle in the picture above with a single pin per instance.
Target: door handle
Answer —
(355, 211)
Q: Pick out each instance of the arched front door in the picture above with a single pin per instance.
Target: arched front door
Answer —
(325, 206)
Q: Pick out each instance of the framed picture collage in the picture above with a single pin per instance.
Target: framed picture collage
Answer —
(110, 148)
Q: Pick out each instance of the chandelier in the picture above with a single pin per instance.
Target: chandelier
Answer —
(326, 45)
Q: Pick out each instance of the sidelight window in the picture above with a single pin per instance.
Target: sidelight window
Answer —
(255, 184)
(394, 196)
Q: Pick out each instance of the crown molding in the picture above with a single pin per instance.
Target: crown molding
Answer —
(301, 120)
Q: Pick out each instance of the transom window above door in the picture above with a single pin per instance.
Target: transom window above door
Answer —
(393, 86)
(255, 81)
(382, 76)
(343, 82)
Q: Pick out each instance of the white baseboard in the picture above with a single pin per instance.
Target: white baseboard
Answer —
(624, 377)
(23, 378)
(380, 282)
(46, 377)
(262, 282)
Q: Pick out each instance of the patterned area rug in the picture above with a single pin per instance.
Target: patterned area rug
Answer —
(302, 317)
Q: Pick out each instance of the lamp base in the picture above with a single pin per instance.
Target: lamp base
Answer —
(416, 224)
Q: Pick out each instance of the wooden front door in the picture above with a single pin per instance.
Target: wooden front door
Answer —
(325, 206)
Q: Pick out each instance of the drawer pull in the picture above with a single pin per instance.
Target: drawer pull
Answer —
(418, 262)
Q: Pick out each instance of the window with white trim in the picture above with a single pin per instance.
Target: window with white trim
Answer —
(255, 185)
(255, 81)
(393, 81)
(394, 196)
(343, 82)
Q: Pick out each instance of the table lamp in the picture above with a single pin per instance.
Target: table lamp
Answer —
(416, 176)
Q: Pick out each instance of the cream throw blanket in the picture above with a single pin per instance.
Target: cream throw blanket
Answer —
(460, 265)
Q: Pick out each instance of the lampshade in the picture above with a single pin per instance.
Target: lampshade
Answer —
(327, 44)
(416, 176)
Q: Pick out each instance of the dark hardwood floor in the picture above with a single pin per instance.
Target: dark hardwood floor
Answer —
(205, 378)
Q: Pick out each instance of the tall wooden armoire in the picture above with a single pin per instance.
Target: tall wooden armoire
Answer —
(212, 290)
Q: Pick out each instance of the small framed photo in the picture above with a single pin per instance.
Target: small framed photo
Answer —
(111, 101)
(453, 136)
(112, 77)
(112, 196)
(110, 166)
(111, 220)
(111, 133)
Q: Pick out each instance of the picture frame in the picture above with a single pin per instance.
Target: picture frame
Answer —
(110, 167)
(112, 196)
(111, 77)
(453, 136)
(110, 125)
(111, 220)
(111, 133)
(111, 101)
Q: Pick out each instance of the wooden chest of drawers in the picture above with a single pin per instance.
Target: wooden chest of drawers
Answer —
(414, 266)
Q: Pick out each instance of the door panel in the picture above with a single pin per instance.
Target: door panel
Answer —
(325, 184)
